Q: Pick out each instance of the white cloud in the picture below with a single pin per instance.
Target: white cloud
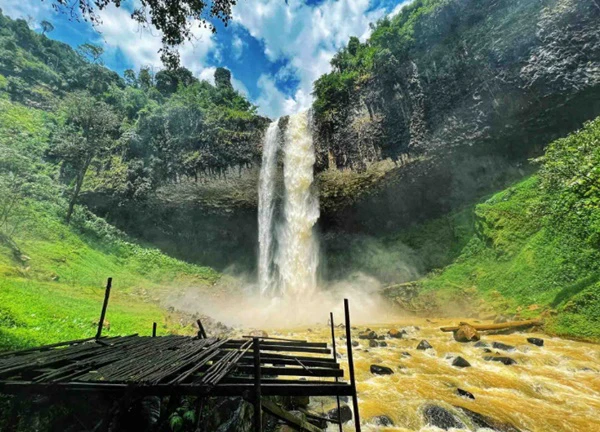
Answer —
(306, 36)
(237, 45)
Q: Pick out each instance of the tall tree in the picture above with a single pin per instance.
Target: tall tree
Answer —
(47, 27)
(87, 133)
(174, 19)
(91, 51)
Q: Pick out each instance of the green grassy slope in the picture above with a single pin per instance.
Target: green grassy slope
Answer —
(535, 246)
(52, 275)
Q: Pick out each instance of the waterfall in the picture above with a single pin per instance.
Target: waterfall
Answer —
(297, 256)
(266, 208)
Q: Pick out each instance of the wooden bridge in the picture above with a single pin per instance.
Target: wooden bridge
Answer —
(131, 366)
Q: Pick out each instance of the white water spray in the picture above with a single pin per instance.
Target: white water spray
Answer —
(266, 208)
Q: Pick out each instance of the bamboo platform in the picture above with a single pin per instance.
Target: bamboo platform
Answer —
(251, 367)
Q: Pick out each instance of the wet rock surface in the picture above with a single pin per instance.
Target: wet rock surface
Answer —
(442, 418)
(536, 341)
(424, 345)
(503, 346)
(464, 393)
(381, 370)
(482, 421)
(501, 359)
(466, 333)
(382, 420)
(345, 414)
(460, 362)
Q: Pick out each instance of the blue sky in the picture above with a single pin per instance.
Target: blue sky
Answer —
(275, 50)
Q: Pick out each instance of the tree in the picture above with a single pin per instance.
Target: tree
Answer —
(87, 133)
(130, 78)
(47, 27)
(174, 19)
(91, 51)
(167, 80)
(223, 78)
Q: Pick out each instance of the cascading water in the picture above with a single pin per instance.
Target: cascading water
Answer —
(297, 256)
(266, 208)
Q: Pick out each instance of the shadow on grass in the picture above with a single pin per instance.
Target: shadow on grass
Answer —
(576, 288)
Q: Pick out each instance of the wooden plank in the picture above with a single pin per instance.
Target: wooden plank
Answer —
(291, 361)
(289, 418)
(292, 371)
(321, 389)
(499, 326)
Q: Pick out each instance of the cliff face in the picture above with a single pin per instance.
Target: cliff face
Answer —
(482, 87)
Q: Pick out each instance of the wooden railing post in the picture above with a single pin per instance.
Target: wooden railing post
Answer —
(104, 306)
(335, 358)
(257, 390)
(153, 329)
(351, 366)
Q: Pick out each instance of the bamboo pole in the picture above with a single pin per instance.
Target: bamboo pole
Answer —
(335, 358)
(499, 326)
(351, 366)
(104, 306)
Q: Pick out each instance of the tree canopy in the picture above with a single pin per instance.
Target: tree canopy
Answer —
(174, 19)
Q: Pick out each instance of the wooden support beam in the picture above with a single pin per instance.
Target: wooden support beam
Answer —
(257, 389)
(153, 329)
(289, 418)
(286, 348)
(351, 366)
(499, 326)
(104, 306)
(335, 358)
(292, 371)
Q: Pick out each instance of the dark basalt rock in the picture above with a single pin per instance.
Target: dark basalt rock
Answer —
(382, 420)
(482, 421)
(424, 345)
(373, 343)
(464, 393)
(381, 370)
(461, 362)
(505, 360)
(355, 343)
(536, 341)
(369, 334)
(441, 418)
(383, 344)
(405, 354)
(394, 333)
(481, 344)
(345, 414)
(502, 346)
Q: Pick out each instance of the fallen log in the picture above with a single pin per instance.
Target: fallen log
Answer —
(500, 326)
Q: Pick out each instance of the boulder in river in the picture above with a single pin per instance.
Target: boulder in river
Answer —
(259, 333)
(382, 344)
(381, 370)
(536, 341)
(396, 334)
(466, 333)
(370, 334)
(502, 359)
(373, 343)
(424, 345)
(345, 414)
(442, 418)
(464, 393)
(482, 421)
(405, 354)
(503, 346)
(382, 420)
(481, 344)
(460, 362)
(355, 343)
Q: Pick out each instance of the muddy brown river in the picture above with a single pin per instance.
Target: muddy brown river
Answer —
(551, 388)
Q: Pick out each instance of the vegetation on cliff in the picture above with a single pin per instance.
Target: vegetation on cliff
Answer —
(533, 248)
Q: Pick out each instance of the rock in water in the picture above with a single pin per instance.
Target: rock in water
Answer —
(395, 333)
(441, 418)
(482, 421)
(481, 344)
(464, 393)
(382, 420)
(382, 344)
(259, 333)
(424, 345)
(381, 370)
(355, 343)
(373, 343)
(368, 335)
(460, 362)
(345, 414)
(502, 346)
(536, 341)
(505, 360)
(466, 333)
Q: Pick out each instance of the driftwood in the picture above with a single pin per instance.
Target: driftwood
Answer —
(500, 326)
